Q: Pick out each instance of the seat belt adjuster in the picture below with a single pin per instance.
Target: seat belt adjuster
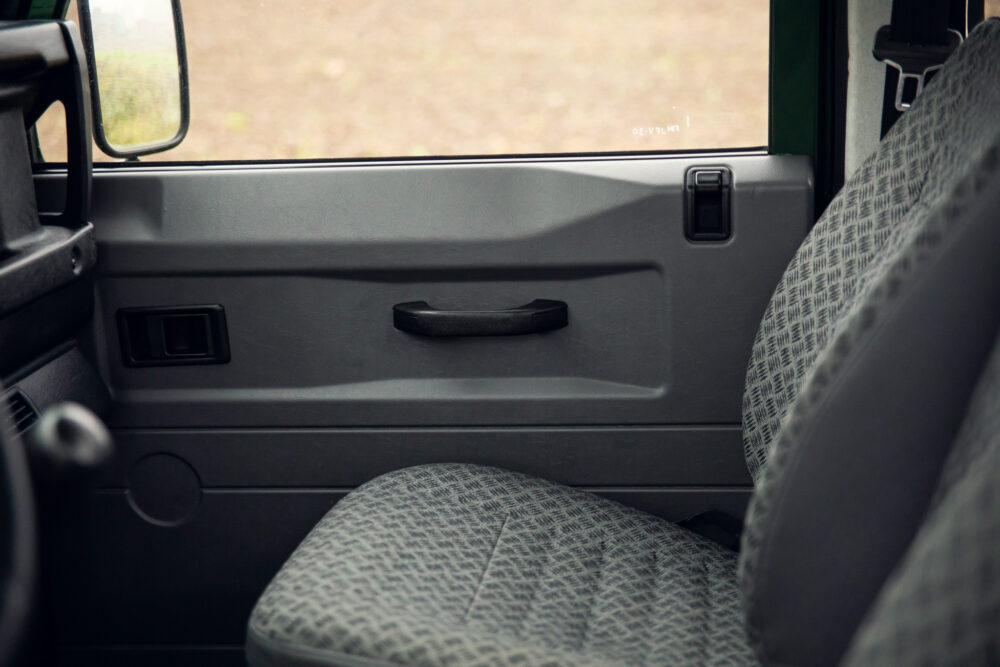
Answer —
(914, 62)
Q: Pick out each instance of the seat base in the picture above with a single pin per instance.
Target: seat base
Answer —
(462, 564)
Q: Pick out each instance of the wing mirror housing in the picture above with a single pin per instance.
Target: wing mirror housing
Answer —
(138, 74)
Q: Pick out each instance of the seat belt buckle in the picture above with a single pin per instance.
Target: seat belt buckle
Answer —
(914, 62)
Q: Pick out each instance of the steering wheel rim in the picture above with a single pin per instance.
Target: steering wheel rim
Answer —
(17, 541)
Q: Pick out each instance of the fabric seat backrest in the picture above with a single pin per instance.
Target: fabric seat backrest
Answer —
(857, 384)
(875, 217)
(856, 464)
(941, 605)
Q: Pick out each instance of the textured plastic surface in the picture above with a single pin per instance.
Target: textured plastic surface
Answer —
(41, 63)
(308, 261)
(346, 457)
(38, 327)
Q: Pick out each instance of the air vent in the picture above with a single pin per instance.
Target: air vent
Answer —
(20, 415)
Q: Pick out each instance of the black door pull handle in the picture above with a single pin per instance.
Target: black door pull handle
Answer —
(420, 318)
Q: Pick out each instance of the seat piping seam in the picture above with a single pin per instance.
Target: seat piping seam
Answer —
(593, 599)
(486, 567)
(534, 592)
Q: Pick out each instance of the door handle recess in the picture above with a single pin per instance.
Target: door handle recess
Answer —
(420, 318)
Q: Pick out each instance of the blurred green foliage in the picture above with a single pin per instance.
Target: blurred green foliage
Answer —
(140, 96)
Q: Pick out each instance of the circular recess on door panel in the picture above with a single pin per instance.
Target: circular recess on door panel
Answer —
(163, 489)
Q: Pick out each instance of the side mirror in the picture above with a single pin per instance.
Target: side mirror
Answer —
(138, 74)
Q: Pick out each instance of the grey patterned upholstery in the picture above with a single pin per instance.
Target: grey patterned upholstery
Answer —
(883, 226)
(828, 500)
(466, 565)
(944, 597)
(876, 217)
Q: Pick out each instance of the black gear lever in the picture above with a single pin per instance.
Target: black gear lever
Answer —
(68, 445)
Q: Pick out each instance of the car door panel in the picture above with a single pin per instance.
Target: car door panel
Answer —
(308, 263)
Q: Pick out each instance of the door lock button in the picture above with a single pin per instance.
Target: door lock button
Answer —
(707, 214)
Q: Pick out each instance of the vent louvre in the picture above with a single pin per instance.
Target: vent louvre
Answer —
(20, 415)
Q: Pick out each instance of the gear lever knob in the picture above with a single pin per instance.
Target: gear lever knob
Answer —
(70, 443)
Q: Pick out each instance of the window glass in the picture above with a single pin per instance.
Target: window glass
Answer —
(275, 79)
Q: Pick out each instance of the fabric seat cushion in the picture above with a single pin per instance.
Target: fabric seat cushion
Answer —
(462, 564)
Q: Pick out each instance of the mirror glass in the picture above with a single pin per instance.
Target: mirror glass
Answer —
(139, 103)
